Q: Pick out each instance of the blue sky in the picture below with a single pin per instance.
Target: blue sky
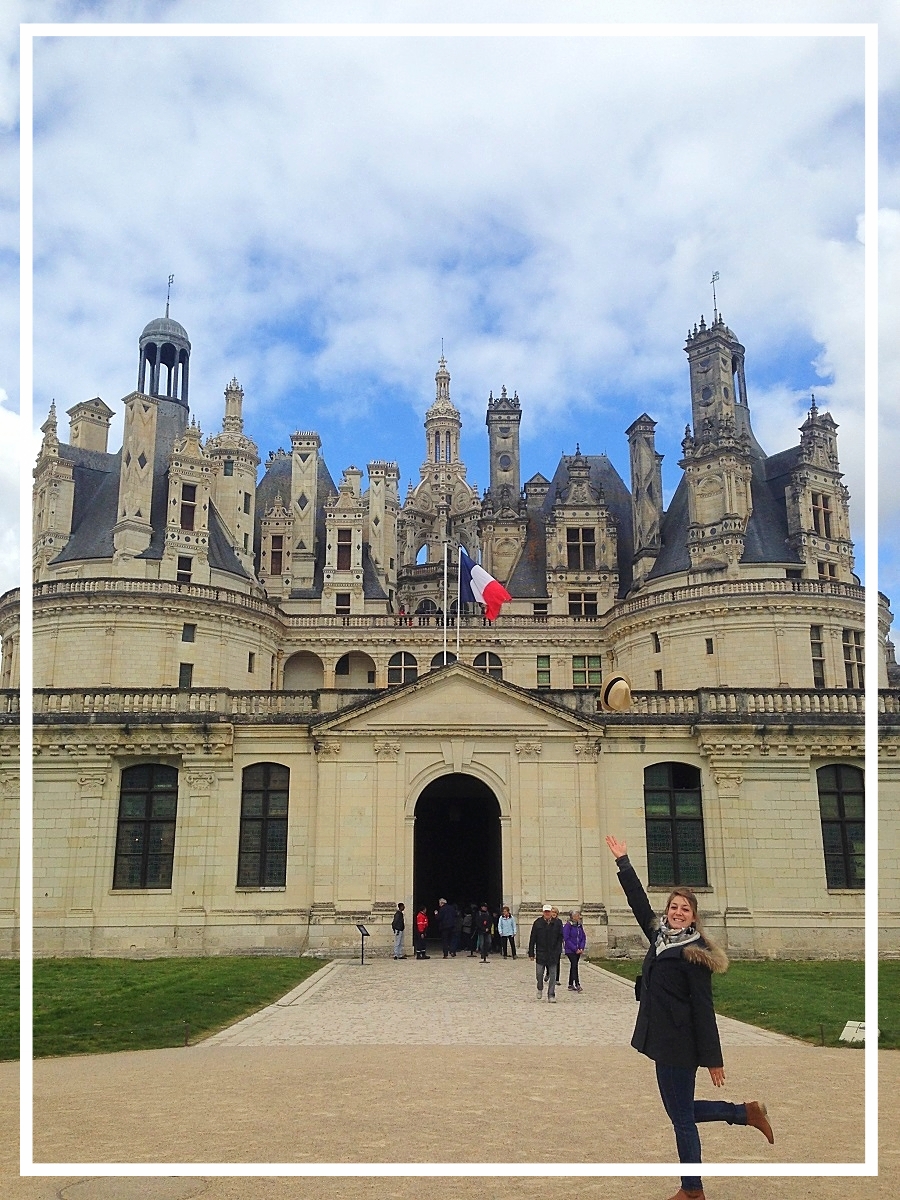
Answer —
(552, 208)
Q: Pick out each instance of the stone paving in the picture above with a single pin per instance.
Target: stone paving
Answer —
(454, 1002)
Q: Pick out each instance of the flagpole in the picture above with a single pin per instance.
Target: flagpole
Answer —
(458, 597)
(444, 662)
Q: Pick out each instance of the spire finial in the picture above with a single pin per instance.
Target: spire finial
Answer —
(169, 292)
(813, 410)
(713, 281)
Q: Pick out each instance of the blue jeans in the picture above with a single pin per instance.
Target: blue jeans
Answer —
(676, 1089)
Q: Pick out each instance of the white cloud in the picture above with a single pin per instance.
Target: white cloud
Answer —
(552, 210)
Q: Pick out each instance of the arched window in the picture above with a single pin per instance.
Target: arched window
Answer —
(448, 457)
(674, 817)
(145, 838)
(842, 808)
(262, 853)
(402, 668)
(443, 659)
(489, 663)
(437, 447)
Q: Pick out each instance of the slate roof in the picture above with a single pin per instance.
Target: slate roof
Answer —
(765, 539)
(530, 575)
(96, 500)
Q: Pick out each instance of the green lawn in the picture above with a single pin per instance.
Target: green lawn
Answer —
(802, 999)
(92, 1005)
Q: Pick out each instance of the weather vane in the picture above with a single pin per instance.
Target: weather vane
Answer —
(713, 281)
(169, 292)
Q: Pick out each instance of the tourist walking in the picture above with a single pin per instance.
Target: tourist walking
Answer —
(468, 930)
(483, 923)
(545, 947)
(421, 931)
(574, 944)
(676, 1021)
(398, 925)
(506, 927)
(446, 920)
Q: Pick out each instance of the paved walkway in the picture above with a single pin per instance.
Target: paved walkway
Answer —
(454, 1002)
(437, 1062)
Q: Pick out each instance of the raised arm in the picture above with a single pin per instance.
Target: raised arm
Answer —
(633, 888)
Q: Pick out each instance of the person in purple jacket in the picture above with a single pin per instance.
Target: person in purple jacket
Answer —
(574, 943)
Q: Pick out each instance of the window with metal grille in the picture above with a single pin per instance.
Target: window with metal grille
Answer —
(821, 508)
(842, 809)
(262, 854)
(583, 604)
(674, 819)
(145, 837)
(543, 670)
(586, 671)
(188, 504)
(817, 650)
(580, 549)
(854, 668)
(344, 548)
(402, 668)
(489, 663)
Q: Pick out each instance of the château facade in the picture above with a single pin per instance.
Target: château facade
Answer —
(249, 737)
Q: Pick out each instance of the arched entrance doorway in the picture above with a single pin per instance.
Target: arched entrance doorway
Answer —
(456, 846)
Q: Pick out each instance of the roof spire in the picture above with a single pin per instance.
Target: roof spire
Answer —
(713, 281)
(169, 292)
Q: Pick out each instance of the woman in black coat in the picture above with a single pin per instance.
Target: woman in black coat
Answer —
(676, 1021)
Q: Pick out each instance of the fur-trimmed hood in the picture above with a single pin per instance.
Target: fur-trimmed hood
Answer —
(707, 954)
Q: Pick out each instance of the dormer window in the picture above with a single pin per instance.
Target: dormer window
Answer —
(188, 504)
(344, 540)
(580, 549)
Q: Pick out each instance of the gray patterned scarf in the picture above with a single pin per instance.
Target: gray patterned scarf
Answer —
(666, 936)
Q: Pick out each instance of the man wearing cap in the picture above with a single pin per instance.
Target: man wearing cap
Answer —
(446, 919)
(545, 946)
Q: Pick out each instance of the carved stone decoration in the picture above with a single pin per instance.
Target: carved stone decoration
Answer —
(329, 749)
(387, 749)
(588, 750)
(728, 781)
(528, 749)
(199, 781)
(91, 781)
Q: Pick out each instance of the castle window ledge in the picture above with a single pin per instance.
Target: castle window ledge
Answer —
(139, 892)
(665, 888)
(244, 890)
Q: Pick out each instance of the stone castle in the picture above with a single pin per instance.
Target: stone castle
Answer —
(253, 729)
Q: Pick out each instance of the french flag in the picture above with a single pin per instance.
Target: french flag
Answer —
(476, 584)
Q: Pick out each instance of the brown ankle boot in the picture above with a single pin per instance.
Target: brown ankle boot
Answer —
(688, 1194)
(756, 1116)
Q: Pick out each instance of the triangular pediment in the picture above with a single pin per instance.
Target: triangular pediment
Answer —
(457, 698)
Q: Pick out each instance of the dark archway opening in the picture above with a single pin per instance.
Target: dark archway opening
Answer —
(456, 847)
